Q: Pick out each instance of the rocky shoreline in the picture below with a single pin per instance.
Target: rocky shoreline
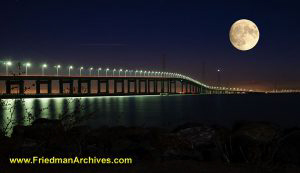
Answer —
(259, 145)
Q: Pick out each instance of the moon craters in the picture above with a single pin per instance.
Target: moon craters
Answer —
(244, 34)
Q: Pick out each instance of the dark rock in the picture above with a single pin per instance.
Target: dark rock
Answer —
(189, 141)
(252, 141)
(41, 129)
(79, 132)
(6, 146)
(261, 132)
(289, 148)
(197, 136)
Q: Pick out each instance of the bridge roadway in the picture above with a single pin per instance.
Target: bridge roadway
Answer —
(136, 85)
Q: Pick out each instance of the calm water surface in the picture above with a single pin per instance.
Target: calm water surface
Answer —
(166, 111)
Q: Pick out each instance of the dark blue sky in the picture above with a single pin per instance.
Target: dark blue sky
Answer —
(135, 33)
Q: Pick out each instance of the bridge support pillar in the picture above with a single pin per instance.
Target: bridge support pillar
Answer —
(107, 86)
(98, 86)
(89, 86)
(155, 86)
(162, 88)
(175, 87)
(20, 84)
(38, 87)
(186, 87)
(172, 83)
(50, 87)
(168, 86)
(61, 87)
(79, 87)
(181, 82)
(71, 86)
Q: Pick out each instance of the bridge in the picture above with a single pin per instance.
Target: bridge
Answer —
(120, 85)
(108, 82)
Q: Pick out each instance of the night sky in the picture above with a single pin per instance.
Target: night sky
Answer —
(134, 34)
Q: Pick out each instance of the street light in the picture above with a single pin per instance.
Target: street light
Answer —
(141, 72)
(81, 68)
(130, 71)
(91, 71)
(126, 72)
(114, 72)
(70, 68)
(135, 72)
(106, 71)
(57, 67)
(43, 68)
(7, 63)
(26, 66)
(120, 72)
(99, 69)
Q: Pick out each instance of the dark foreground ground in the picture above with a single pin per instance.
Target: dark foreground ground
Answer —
(246, 147)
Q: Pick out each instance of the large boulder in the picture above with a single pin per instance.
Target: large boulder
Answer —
(189, 141)
(197, 136)
(288, 151)
(253, 141)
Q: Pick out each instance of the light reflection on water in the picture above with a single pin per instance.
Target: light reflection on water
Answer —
(163, 111)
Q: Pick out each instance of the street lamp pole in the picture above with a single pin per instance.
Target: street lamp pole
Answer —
(81, 68)
(26, 66)
(114, 72)
(57, 67)
(43, 68)
(99, 69)
(7, 63)
(106, 71)
(70, 68)
(91, 71)
(120, 72)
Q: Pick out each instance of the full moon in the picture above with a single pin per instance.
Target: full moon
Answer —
(244, 34)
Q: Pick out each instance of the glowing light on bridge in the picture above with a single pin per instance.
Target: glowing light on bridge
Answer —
(106, 71)
(137, 73)
(114, 72)
(99, 69)
(70, 68)
(80, 69)
(91, 69)
(43, 69)
(120, 72)
(26, 68)
(7, 64)
(57, 67)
